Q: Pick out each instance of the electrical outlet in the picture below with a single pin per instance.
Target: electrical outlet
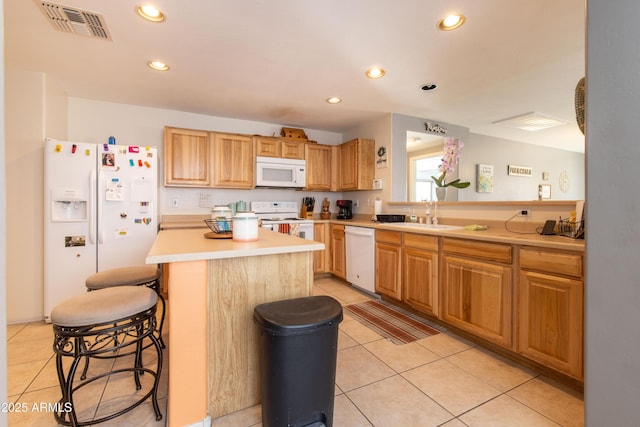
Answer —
(524, 212)
(356, 203)
(175, 203)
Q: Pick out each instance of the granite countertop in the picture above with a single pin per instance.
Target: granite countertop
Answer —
(191, 245)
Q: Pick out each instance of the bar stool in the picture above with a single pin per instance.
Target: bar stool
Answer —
(144, 275)
(101, 324)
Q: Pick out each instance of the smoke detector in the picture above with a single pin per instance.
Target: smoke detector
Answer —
(75, 21)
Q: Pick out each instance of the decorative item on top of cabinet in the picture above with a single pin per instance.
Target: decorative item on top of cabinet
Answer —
(388, 263)
(356, 164)
(338, 247)
(420, 272)
(279, 147)
(551, 309)
(477, 289)
(188, 158)
(318, 163)
(234, 161)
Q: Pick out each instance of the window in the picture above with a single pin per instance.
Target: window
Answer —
(421, 169)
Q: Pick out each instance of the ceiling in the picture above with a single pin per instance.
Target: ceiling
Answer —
(277, 61)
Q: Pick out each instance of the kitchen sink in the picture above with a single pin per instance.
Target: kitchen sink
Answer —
(426, 226)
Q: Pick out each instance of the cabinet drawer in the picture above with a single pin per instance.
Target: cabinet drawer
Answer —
(421, 241)
(552, 262)
(394, 237)
(481, 250)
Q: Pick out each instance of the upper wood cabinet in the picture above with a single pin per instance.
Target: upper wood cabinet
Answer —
(188, 158)
(356, 165)
(234, 160)
(318, 163)
(278, 147)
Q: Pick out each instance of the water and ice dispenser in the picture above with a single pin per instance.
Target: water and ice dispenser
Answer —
(69, 205)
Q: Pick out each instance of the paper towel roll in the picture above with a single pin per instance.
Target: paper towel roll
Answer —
(377, 206)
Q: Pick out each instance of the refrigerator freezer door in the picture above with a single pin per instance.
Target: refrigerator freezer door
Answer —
(69, 240)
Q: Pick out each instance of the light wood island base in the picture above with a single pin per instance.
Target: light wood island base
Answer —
(213, 289)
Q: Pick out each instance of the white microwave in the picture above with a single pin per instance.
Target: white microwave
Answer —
(277, 172)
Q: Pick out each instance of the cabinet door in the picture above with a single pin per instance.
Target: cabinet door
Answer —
(318, 163)
(187, 158)
(320, 259)
(338, 258)
(420, 279)
(477, 297)
(268, 147)
(551, 320)
(292, 149)
(234, 161)
(348, 166)
(388, 279)
(356, 160)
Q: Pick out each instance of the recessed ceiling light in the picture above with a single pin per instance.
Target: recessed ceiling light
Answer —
(375, 72)
(150, 13)
(428, 86)
(334, 100)
(451, 22)
(157, 65)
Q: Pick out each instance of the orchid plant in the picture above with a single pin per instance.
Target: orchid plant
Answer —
(452, 148)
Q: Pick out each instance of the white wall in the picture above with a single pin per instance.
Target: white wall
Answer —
(613, 241)
(36, 106)
(501, 152)
(3, 235)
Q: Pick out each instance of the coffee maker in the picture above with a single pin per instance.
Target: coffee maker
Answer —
(345, 209)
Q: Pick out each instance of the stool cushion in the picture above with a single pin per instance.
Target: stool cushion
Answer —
(103, 305)
(124, 276)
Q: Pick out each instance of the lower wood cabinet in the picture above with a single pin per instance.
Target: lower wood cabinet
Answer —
(476, 290)
(321, 258)
(388, 262)
(551, 309)
(338, 248)
(420, 272)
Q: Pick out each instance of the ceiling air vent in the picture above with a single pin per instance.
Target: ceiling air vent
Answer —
(75, 21)
(531, 121)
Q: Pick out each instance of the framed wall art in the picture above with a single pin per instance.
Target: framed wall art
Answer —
(484, 183)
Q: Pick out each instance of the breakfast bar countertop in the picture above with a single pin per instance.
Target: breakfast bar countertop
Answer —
(190, 245)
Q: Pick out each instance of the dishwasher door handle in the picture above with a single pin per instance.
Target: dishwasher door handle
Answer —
(361, 231)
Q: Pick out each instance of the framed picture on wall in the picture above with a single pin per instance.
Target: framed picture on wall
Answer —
(484, 175)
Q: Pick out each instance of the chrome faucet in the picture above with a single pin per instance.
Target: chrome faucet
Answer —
(429, 211)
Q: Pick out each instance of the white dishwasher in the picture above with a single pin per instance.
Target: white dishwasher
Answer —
(361, 257)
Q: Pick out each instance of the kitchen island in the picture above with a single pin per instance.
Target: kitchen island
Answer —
(214, 285)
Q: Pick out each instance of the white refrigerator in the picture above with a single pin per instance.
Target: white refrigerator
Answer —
(100, 212)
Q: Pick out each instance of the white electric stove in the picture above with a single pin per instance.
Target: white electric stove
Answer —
(283, 217)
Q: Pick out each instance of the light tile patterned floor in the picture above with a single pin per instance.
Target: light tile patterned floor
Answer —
(441, 380)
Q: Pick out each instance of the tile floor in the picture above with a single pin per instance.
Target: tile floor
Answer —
(441, 380)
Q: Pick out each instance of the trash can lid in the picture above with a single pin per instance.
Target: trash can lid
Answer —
(298, 315)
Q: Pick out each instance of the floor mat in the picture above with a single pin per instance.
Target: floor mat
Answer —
(395, 324)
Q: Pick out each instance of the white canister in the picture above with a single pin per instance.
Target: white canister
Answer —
(245, 227)
(221, 211)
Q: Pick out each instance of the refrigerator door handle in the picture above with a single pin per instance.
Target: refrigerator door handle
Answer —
(92, 201)
(99, 216)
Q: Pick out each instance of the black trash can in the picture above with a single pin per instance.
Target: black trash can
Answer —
(298, 342)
